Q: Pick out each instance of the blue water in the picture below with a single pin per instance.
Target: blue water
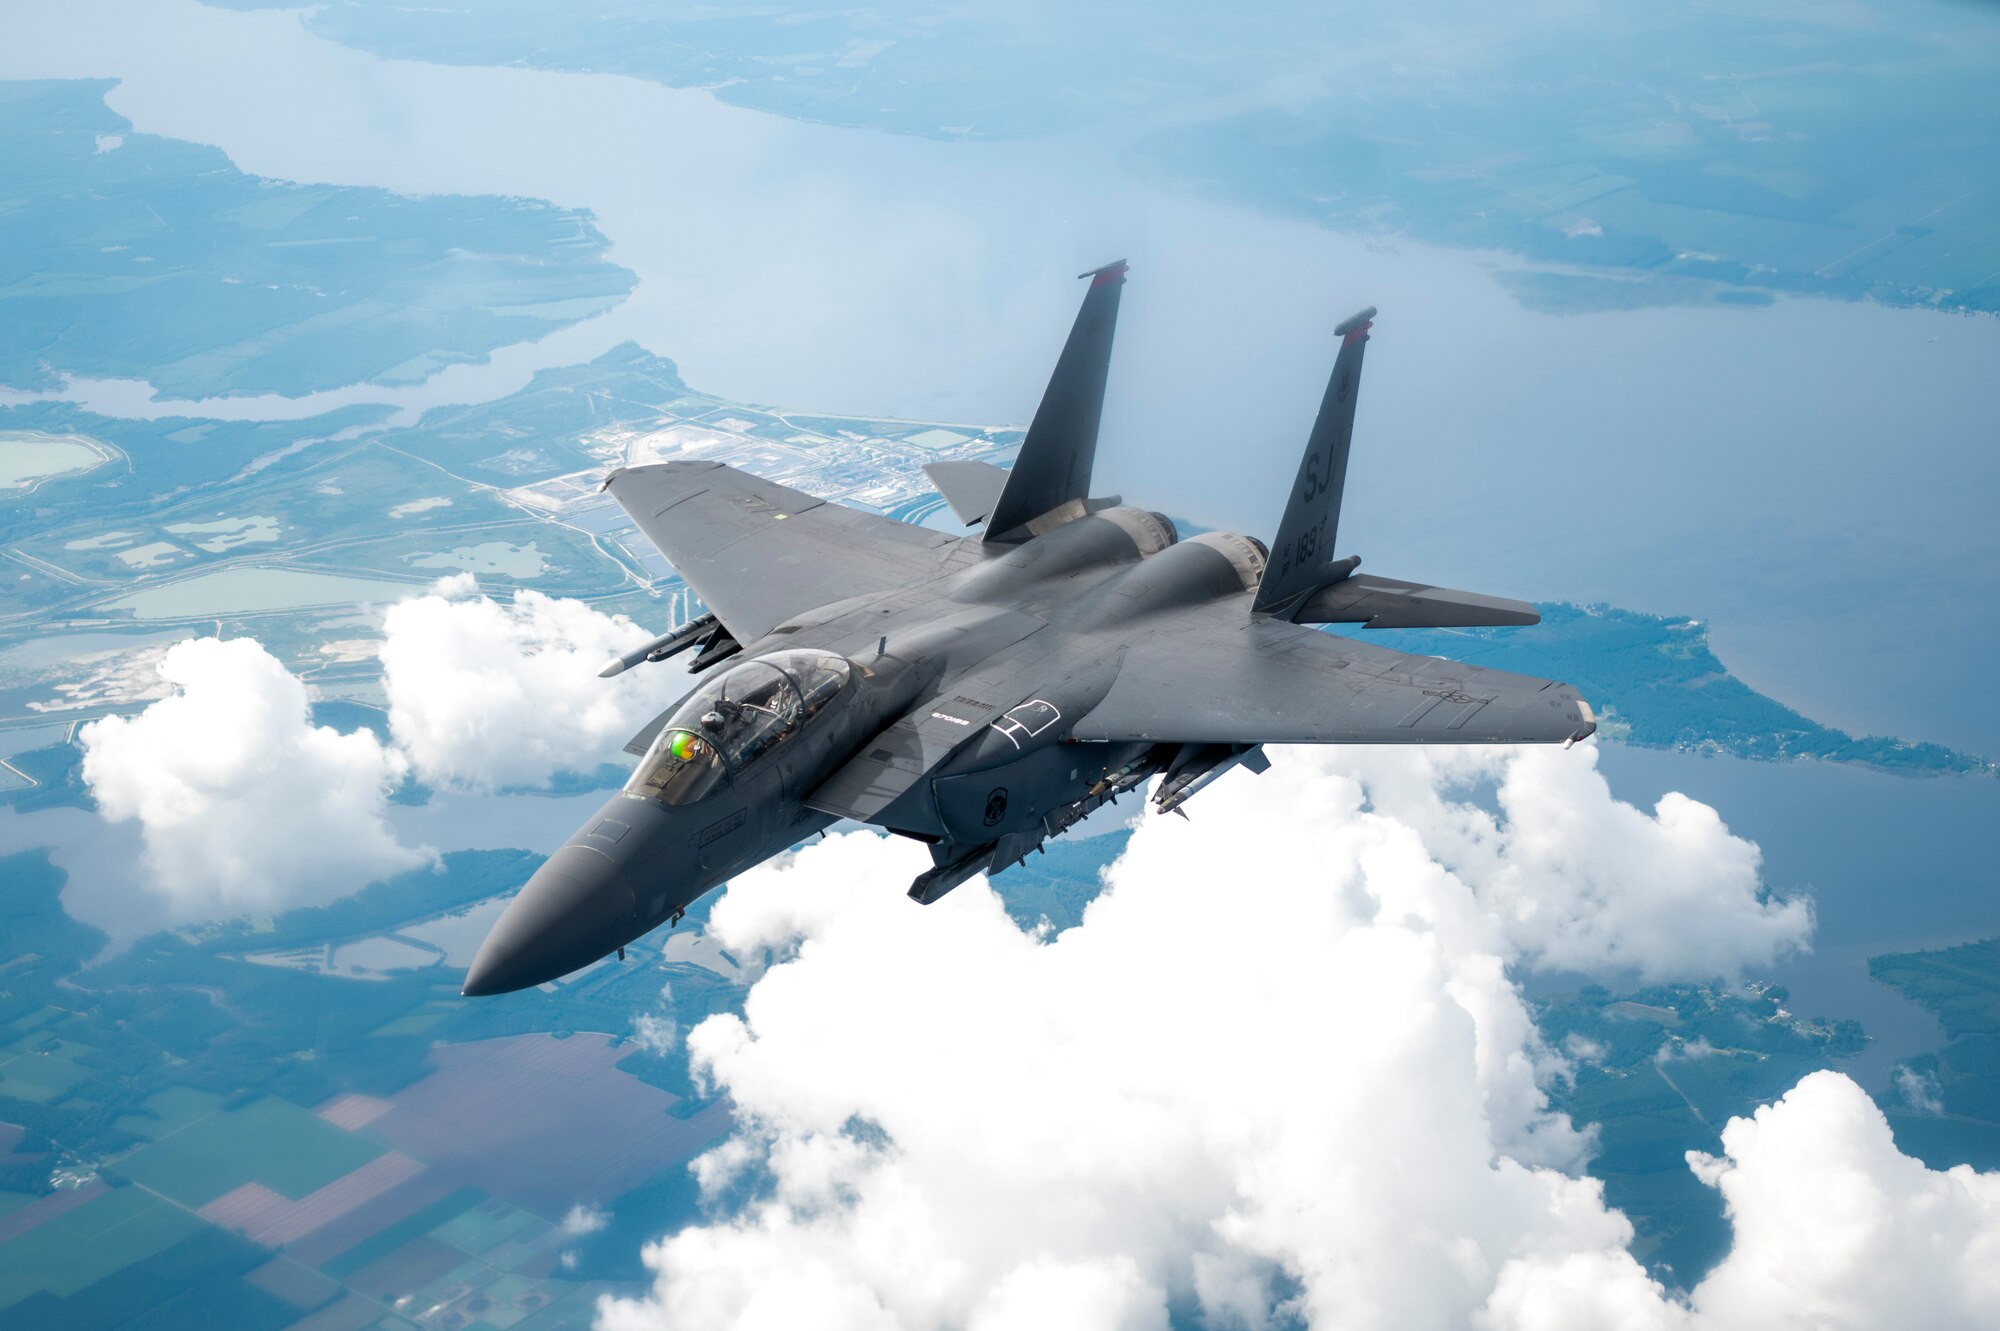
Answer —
(1892, 864)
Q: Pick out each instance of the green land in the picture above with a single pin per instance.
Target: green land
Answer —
(1950, 1113)
(1659, 1073)
(297, 532)
(181, 1111)
(127, 255)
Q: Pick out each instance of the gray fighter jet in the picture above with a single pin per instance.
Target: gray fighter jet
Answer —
(982, 694)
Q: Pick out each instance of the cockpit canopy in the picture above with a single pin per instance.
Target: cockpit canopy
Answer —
(733, 720)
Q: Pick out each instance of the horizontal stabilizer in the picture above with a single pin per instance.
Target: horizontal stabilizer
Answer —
(971, 488)
(1390, 603)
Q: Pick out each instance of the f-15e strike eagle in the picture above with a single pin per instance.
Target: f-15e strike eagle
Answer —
(984, 693)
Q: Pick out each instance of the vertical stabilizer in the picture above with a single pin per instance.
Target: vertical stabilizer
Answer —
(1302, 554)
(1053, 467)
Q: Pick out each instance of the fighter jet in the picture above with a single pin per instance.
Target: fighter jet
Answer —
(982, 694)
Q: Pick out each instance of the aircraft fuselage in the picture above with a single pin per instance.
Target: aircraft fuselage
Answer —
(1041, 608)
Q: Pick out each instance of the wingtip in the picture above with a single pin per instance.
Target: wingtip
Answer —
(1355, 325)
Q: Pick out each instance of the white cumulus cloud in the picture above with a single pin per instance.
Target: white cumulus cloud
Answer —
(1278, 1075)
(584, 1219)
(484, 694)
(1919, 1090)
(657, 1032)
(1268, 1067)
(243, 802)
(1835, 1230)
(1579, 880)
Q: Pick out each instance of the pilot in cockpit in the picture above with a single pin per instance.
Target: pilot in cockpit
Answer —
(733, 720)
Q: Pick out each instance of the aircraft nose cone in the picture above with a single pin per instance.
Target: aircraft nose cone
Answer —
(571, 912)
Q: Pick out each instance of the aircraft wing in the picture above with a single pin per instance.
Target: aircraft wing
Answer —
(758, 553)
(1213, 674)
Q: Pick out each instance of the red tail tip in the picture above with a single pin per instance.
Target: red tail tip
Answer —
(1109, 273)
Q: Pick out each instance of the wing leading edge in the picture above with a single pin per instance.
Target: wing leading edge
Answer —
(759, 553)
(1216, 675)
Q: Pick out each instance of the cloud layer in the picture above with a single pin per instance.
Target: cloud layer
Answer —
(1278, 1074)
(244, 803)
(484, 694)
